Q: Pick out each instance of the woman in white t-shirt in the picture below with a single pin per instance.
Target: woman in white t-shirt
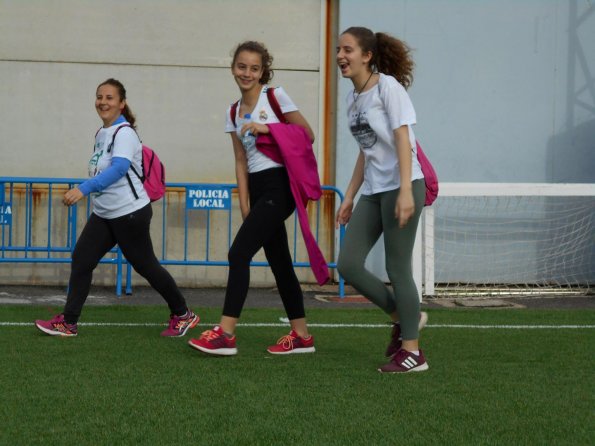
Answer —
(266, 202)
(121, 215)
(381, 118)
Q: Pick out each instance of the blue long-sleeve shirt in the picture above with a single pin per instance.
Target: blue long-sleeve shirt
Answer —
(109, 176)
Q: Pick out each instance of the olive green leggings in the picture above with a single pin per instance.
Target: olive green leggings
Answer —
(374, 215)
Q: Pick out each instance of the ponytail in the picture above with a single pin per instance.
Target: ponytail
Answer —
(127, 113)
(393, 57)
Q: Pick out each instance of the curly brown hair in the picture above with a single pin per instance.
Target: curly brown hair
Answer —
(389, 55)
(267, 59)
(122, 93)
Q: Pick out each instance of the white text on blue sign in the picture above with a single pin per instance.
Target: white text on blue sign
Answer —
(208, 198)
(5, 214)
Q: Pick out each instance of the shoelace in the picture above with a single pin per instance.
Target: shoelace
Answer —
(209, 335)
(64, 327)
(286, 341)
(178, 322)
(181, 322)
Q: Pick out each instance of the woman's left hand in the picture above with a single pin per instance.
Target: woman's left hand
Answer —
(405, 207)
(72, 196)
(255, 128)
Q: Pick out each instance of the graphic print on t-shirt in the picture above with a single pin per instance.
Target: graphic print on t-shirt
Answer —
(93, 170)
(362, 132)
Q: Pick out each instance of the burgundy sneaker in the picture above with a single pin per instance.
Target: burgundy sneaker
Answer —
(395, 336)
(292, 343)
(405, 362)
(57, 326)
(179, 325)
(214, 342)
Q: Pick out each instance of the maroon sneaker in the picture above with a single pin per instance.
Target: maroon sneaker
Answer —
(57, 326)
(405, 362)
(395, 337)
(292, 343)
(214, 342)
(179, 325)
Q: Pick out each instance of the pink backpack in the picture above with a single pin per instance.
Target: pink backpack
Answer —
(429, 175)
(153, 171)
(426, 168)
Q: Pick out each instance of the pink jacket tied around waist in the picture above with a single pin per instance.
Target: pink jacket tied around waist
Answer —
(290, 145)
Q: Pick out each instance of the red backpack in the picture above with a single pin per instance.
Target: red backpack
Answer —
(153, 171)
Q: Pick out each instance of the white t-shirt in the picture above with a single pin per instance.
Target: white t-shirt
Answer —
(372, 119)
(117, 199)
(262, 114)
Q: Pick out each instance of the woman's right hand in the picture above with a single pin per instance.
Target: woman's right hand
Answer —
(72, 196)
(245, 211)
(344, 213)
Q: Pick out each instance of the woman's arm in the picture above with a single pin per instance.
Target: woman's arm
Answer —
(109, 176)
(295, 117)
(241, 174)
(405, 206)
(357, 178)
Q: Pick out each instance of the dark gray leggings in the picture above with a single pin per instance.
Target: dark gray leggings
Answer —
(131, 233)
(374, 215)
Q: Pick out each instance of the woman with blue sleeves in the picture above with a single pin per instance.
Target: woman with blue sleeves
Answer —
(121, 215)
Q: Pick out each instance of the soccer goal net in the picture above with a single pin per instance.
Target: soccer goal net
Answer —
(497, 239)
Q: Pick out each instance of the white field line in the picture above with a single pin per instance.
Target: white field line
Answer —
(322, 325)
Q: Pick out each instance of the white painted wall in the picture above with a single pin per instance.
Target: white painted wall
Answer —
(174, 59)
(172, 56)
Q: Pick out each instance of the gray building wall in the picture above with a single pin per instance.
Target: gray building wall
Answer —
(504, 90)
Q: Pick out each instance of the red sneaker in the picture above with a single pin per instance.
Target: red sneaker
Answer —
(179, 325)
(405, 362)
(57, 326)
(395, 337)
(214, 342)
(292, 343)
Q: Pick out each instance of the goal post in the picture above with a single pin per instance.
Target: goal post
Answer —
(507, 238)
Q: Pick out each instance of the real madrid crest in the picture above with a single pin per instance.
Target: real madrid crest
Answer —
(263, 115)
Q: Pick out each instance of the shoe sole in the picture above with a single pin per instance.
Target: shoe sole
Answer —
(295, 350)
(421, 368)
(55, 333)
(218, 352)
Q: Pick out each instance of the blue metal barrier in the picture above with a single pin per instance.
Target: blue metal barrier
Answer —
(27, 202)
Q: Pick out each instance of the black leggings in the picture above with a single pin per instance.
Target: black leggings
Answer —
(131, 233)
(271, 202)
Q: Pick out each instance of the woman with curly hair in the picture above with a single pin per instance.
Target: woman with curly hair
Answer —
(381, 118)
(266, 201)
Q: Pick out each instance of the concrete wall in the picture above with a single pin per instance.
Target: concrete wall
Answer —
(173, 57)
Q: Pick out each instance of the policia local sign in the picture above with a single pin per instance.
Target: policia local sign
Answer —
(208, 197)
